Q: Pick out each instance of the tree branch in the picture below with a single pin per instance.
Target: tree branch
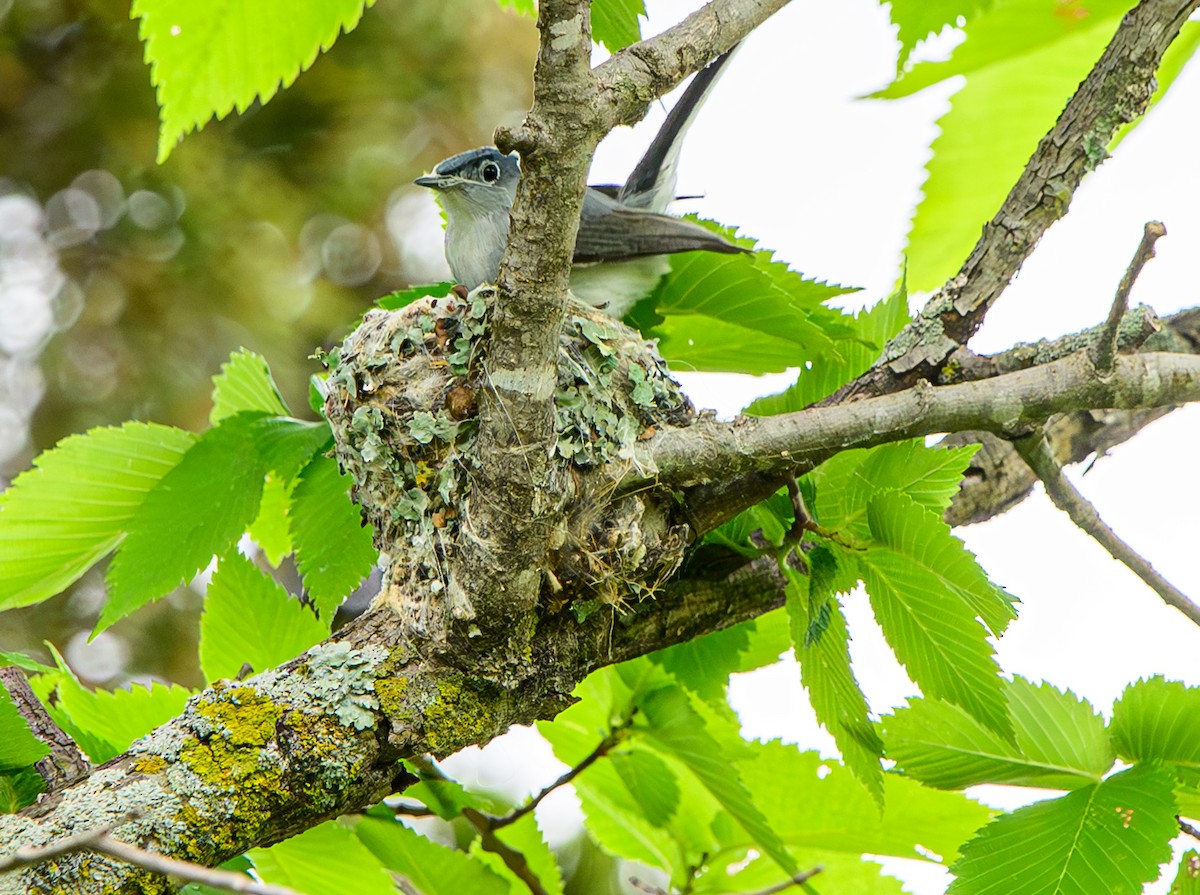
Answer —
(1040, 457)
(1115, 92)
(1106, 346)
(65, 764)
(797, 442)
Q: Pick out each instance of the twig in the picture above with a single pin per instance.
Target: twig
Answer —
(513, 859)
(602, 748)
(99, 840)
(1037, 453)
(1187, 828)
(66, 763)
(798, 880)
(1105, 348)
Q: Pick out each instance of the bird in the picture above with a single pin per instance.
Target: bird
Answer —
(624, 232)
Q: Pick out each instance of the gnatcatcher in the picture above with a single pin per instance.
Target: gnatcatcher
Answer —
(624, 235)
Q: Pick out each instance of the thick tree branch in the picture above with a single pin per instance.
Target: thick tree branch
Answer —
(1115, 92)
(250, 763)
(796, 442)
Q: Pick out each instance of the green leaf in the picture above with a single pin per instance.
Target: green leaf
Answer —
(929, 475)
(108, 721)
(1187, 879)
(431, 868)
(1158, 719)
(245, 384)
(704, 664)
(615, 23)
(1109, 837)
(19, 748)
(205, 61)
(833, 690)
(270, 530)
(447, 798)
(250, 619)
(679, 731)
(1022, 62)
(60, 518)
(871, 330)
(405, 297)
(918, 19)
(651, 781)
(1060, 742)
(19, 789)
(325, 860)
(520, 7)
(816, 803)
(741, 313)
(24, 662)
(199, 509)
(333, 548)
(525, 838)
(927, 591)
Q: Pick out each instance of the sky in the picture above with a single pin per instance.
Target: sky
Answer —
(784, 150)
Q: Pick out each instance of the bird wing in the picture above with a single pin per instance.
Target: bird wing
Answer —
(610, 232)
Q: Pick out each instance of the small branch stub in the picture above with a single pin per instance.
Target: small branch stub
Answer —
(1105, 348)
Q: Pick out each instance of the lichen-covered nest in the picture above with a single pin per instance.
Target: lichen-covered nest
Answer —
(401, 397)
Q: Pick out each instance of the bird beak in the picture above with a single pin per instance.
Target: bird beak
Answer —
(435, 181)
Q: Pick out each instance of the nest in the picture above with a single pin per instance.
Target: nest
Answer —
(401, 398)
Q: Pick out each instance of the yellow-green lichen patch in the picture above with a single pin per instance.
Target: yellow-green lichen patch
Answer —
(150, 764)
(391, 693)
(240, 715)
(460, 714)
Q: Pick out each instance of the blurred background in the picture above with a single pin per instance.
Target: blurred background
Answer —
(124, 284)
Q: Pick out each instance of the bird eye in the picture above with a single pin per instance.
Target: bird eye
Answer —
(490, 172)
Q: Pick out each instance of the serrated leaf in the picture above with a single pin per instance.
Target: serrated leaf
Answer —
(1158, 719)
(431, 868)
(24, 662)
(270, 529)
(206, 61)
(524, 838)
(872, 328)
(731, 872)
(324, 860)
(833, 690)
(1060, 742)
(823, 806)
(678, 731)
(1022, 62)
(19, 748)
(1109, 837)
(651, 781)
(333, 548)
(249, 619)
(615, 23)
(245, 384)
(60, 518)
(926, 591)
(918, 19)
(198, 509)
(1187, 878)
(930, 476)
(719, 311)
(287, 445)
(106, 722)
(405, 297)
